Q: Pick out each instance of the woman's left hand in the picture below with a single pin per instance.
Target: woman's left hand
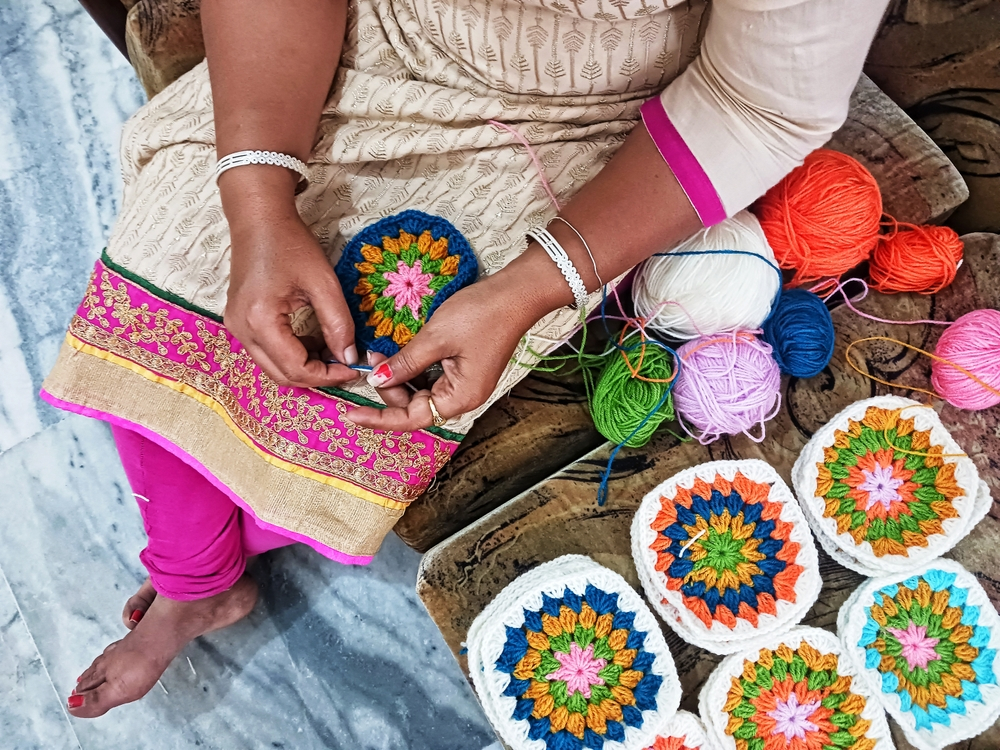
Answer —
(473, 335)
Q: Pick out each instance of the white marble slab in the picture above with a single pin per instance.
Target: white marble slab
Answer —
(333, 656)
(64, 93)
(31, 714)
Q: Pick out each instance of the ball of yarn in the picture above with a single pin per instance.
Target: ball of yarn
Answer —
(973, 343)
(621, 401)
(727, 385)
(800, 332)
(683, 296)
(823, 218)
(920, 259)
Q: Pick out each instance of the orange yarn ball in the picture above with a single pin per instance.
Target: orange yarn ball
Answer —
(916, 259)
(823, 218)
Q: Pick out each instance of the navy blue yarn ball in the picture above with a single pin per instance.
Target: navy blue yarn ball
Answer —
(800, 331)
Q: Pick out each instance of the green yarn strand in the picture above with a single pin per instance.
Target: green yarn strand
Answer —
(621, 402)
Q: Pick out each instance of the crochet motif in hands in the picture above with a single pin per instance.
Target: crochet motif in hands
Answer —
(795, 694)
(928, 644)
(885, 482)
(396, 272)
(725, 552)
(579, 661)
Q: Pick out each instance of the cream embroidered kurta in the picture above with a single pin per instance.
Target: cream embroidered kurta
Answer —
(408, 127)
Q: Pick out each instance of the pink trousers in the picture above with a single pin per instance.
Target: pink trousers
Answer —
(199, 540)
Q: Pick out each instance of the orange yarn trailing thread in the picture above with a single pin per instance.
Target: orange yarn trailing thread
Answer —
(825, 217)
(936, 358)
(912, 258)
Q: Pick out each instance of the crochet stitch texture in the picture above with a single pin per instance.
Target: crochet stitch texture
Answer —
(568, 657)
(725, 551)
(683, 732)
(396, 272)
(929, 645)
(886, 488)
(797, 693)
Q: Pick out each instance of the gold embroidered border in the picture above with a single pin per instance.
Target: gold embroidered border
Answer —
(328, 514)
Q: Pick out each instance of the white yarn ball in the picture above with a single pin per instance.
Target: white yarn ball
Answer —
(709, 294)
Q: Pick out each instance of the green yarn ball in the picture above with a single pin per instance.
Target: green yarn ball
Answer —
(620, 402)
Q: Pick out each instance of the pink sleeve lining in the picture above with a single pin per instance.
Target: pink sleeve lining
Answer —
(682, 162)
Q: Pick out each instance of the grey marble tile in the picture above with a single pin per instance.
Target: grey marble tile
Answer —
(332, 657)
(64, 93)
(31, 714)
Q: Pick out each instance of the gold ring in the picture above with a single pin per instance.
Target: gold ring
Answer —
(438, 420)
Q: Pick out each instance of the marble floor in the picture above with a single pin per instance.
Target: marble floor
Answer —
(332, 657)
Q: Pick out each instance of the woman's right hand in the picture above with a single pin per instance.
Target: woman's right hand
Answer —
(277, 268)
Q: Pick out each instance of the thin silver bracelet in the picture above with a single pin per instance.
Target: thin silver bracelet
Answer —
(555, 251)
(585, 245)
(243, 158)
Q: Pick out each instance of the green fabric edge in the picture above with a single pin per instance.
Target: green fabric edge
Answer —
(185, 305)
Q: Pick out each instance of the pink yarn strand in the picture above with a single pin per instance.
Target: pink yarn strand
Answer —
(838, 286)
(534, 159)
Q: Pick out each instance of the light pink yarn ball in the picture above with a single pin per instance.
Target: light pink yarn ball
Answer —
(728, 384)
(973, 343)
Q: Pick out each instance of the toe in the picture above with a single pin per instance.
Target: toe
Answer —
(89, 704)
(137, 605)
(92, 677)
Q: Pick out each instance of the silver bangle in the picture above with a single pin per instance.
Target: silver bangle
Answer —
(585, 245)
(555, 251)
(243, 158)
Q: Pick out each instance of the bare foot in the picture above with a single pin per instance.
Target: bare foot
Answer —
(129, 668)
(137, 605)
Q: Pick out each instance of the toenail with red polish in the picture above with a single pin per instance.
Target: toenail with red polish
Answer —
(78, 679)
(135, 616)
(74, 701)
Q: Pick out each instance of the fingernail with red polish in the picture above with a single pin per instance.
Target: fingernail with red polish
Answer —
(380, 375)
(135, 616)
(74, 701)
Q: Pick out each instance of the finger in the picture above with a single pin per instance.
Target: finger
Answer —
(416, 415)
(282, 356)
(424, 349)
(398, 395)
(334, 317)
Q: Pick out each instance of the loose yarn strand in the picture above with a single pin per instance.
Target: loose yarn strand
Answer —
(534, 159)
(839, 287)
(936, 358)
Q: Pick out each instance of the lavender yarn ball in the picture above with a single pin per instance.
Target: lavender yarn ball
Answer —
(727, 385)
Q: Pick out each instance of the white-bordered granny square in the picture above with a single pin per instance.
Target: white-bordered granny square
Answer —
(886, 488)
(797, 692)
(569, 657)
(725, 555)
(683, 732)
(928, 646)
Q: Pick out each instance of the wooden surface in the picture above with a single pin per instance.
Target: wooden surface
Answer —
(561, 516)
(164, 41)
(543, 425)
(940, 61)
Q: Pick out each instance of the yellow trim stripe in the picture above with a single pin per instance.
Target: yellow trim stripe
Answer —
(215, 406)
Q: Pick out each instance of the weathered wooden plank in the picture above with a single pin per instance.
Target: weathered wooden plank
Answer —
(561, 516)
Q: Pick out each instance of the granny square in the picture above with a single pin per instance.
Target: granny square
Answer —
(568, 657)
(396, 272)
(797, 692)
(683, 732)
(927, 644)
(886, 488)
(725, 555)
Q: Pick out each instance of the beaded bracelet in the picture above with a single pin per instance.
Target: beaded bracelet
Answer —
(243, 158)
(559, 256)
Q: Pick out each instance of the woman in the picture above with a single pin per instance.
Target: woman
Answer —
(235, 437)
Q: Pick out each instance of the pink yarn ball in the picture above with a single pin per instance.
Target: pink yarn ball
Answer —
(727, 385)
(971, 342)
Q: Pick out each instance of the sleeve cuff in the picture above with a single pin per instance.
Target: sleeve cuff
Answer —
(682, 162)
